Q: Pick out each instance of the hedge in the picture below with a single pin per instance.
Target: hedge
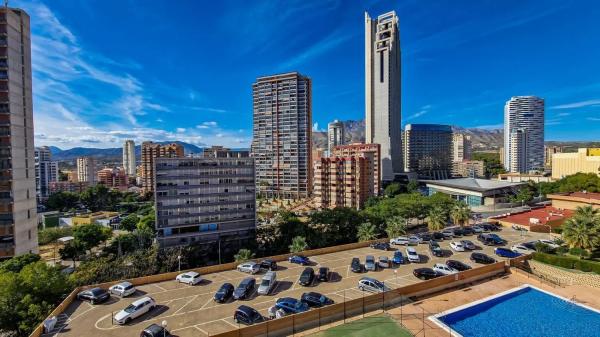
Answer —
(568, 262)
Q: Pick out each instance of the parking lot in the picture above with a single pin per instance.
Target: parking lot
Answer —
(190, 310)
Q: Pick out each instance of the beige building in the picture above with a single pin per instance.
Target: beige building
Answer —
(468, 169)
(18, 218)
(461, 147)
(572, 200)
(585, 160)
(549, 151)
(358, 149)
(524, 177)
(86, 170)
(151, 151)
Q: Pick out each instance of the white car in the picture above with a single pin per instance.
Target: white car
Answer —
(412, 255)
(521, 249)
(457, 246)
(122, 289)
(549, 243)
(135, 310)
(443, 269)
(191, 278)
(249, 267)
(384, 262)
(406, 240)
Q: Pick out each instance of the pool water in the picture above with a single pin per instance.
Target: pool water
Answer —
(526, 312)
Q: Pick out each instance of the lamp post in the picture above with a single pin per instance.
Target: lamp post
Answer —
(164, 326)
(179, 262)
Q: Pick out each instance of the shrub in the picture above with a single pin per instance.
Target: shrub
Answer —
(568, 262)
(48, 235)
(579, 252)
(557, 230)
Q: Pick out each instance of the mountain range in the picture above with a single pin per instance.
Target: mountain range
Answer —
(109, 154)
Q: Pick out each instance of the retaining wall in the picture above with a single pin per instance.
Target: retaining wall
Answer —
(550, 272)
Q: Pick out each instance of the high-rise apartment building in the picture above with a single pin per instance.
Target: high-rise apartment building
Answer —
(428, 150)
(151, 151)
(18, 217)
(208, 201)
(86, 170)
(46, 171)
(382, 91)
(129, 158)
(549, 151)
(461, 147)
(358, 149)
(223, 152)
(335, 135)
(281, 144)
(524, 134)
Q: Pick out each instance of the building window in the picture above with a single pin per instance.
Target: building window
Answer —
(29, 234)
(381, 66)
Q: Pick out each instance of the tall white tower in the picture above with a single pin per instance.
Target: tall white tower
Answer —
(382, 90)
(129, 158)
(524, 134)
(335, 135)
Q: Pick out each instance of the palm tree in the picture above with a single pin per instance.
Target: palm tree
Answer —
(243, 255)
(366, 232)
(460, 213)
(437, 219)
(298, 244)
(583, 229)
(395, 226)
(588, 212)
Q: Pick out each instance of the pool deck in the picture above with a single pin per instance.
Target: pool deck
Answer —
(415, 316)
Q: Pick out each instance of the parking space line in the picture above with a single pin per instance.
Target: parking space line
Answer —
(186, 303)
(226, 321)
(207, 303)
(199, 329)
(159, 287)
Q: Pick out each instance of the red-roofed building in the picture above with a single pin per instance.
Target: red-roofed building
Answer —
(541, 219)
(575, 199)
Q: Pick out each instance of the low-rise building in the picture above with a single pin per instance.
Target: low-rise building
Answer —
(524, 177)
(68, 186)
(573, 200)
(542, 219)
(473, 191)
(103, 218)
(585, 160)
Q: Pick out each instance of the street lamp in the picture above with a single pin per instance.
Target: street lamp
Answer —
(179, 262)
(164, 325)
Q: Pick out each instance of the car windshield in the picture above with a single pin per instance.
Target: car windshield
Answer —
(128, 287)
(265, 283)
(378, 284)
(97, 292)
(410, 252)
(222, 290)
(130, 308)
(322, 299)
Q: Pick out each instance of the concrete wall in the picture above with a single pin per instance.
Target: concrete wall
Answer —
(563, 276)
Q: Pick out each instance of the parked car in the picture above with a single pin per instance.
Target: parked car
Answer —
(458, 265)
(505, 252)
(356, 266)
(448, 233)
(268, 264)
(380, 245)
(398, 258)
(275, 312)
(370, 264)
(291, 305)
(267, 283)
(406, 240)
(482, 258)
(477, 229)
(249, 267)
(519, 248)
(324, 275)
(457, 246)
(425, 273)
(424, 237)
(299, 259)
(94, 295)
(371, 285)
(468, 244)
(444, 269)
(191, 278)
(307, 277)
(437, 236)
(135, 310)
(244, 289)
(315, 300)
(435, 249)
(384, 262)
(122, 289)
(549, 243)
(490, 239)
(530, 245)
(224, 293)
(412, 255)
(457, 232)
(155, 330)
(467, 231)
(247, 315)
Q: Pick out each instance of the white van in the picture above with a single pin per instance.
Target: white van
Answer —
(267, 283)
(412, 255)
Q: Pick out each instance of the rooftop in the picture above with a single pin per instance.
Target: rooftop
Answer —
(474, 184)
(589, 197)
(548, 215)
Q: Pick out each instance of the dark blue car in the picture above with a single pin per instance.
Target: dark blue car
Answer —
(299, 259)
(398, 258)
(291, 305)
(505, 252)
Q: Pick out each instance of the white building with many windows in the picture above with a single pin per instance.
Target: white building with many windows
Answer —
(524, 134)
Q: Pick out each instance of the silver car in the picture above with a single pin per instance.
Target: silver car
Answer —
(370, 263)
(267, 283)
(372, 285)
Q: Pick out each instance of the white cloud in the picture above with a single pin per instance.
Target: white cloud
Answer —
(180, 130)
(207, 125)
(315, 127)
(580, 104)
(593, 119)
(489, 126)
(424, 109)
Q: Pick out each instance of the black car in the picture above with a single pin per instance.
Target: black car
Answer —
(356, 266)
(247, 315)
(425, 273)
(315, 300)
(482, 258)
(94, 295)
(425, 237)
(458, 265)
(224, 293)
(437, 236)
(529, 245)
(155, 330)
(490, 239)
(457, 232)
(324, 274)
(435, 249)
(307, 276)
(244, 289)
(380, 246)
(268, 264)
(467, 231)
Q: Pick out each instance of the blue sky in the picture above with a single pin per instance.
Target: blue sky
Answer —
(108, 70)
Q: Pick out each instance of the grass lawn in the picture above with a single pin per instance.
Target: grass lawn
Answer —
(380, 325)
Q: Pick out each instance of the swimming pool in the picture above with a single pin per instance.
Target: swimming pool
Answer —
(525, 311)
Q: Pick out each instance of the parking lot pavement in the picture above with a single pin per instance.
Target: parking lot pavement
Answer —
(190, 311)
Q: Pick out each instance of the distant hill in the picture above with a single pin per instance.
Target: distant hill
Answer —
(109, 154)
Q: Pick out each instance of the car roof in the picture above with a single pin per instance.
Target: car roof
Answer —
(154, 328)
(125, 284)
(97, 290)
(411, 249)
(286, 299)
(383, 257)
(312, 293)
(247, 280)
(245, 308)
(369, 279)
(142, 300)
(190, 273)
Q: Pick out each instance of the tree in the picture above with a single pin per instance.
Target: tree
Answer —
(366, 232)
(395, 227)
(392, 190)
(49, 235)
(298, 244)
(100, 198)
(62, 201)
(129, 222)
(437, 219)
(523, 195)
(147, 221)
(244, 255)
(17, 263)
(582, 230)
(72, 250)
(412, 186)
(90, 235)
(460, 213)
